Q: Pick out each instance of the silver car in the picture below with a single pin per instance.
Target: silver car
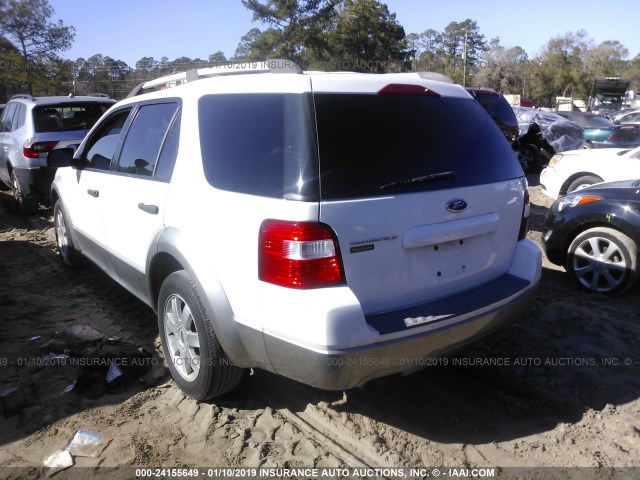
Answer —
(33, 126)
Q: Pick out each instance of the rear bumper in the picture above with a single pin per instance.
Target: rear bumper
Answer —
(338, 370)
(349, 349)
(36, 182)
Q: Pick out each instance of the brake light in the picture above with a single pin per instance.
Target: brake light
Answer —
(299, 255)
(524, 223)
(34, 149)
(406, 89)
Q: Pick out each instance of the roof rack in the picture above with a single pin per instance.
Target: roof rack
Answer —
(275, 65)
(100, 95)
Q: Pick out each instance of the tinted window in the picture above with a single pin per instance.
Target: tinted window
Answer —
(102, 145)
(367, 141)
(145, 137)
(19, 117)
(260, 144)
(7, 118)
(67, 116)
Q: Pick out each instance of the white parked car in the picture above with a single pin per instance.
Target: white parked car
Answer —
(569, 171)
(332, 228)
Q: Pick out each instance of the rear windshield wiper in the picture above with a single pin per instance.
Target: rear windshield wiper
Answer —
(434, 177)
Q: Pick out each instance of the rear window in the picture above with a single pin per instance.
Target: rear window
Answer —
(370, 141)
(68, 116)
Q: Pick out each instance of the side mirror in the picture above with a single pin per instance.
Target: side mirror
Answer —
(61, 157)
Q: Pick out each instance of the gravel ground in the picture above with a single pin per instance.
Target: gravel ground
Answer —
(559, 388)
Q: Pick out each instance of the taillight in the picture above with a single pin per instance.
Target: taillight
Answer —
(299, 255)
(524, 223)
(406, 89)
(34, 149)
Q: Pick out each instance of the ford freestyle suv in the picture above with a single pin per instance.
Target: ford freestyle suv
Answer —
(31, 127)
(328, 227)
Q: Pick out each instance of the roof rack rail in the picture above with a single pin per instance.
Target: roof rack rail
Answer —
(22, 95)
(275, 65)
(101, 95)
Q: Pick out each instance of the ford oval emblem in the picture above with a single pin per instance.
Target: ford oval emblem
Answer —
(456, 206)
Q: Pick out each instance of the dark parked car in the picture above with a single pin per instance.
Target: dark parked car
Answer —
(600, 132)
(542, 135)
(595, 234)
(499, 110)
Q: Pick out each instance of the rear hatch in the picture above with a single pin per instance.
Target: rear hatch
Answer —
(423, 192)
(60, 125)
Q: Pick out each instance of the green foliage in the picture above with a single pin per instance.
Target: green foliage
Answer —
(355, 35)
(367, 38)
(25, 25)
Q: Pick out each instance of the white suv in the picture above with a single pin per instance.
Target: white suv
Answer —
(328, 227)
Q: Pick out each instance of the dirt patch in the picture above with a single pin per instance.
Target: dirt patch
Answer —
(559, 388)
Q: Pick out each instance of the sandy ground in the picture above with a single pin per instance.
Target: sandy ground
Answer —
(559, 388)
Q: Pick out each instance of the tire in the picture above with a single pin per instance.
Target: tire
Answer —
(529, 158)
(582, 182)
(587, 145)
(24, 205)
(603, 260)
(196, 360)
(70, 257)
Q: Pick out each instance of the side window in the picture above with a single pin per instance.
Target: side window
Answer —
(102, 145)
(19, 117)
(145, 138)
(7, 119)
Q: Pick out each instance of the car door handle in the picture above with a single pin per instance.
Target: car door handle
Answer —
(153, 209)
(94, 193)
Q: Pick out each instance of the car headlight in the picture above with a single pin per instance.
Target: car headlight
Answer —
(555, 159)
(571, 201)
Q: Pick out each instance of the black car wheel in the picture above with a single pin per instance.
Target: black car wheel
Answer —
(25, 205)
(197, 362)
(603, 260)
(582, 182)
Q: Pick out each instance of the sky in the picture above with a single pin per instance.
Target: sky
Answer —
(129, 30)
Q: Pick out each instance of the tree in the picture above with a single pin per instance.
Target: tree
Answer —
(430, 58)
(461, 45)
(217, 57)
(607, 59)
(368, 38)
(26, 24)
(297, 28)
(560, 69)
(503, 69)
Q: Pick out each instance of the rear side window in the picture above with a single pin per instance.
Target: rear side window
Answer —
(19, 117)
(145, 137)
(7, 118)
(369, 141)
(67, 116)
(259, 144)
